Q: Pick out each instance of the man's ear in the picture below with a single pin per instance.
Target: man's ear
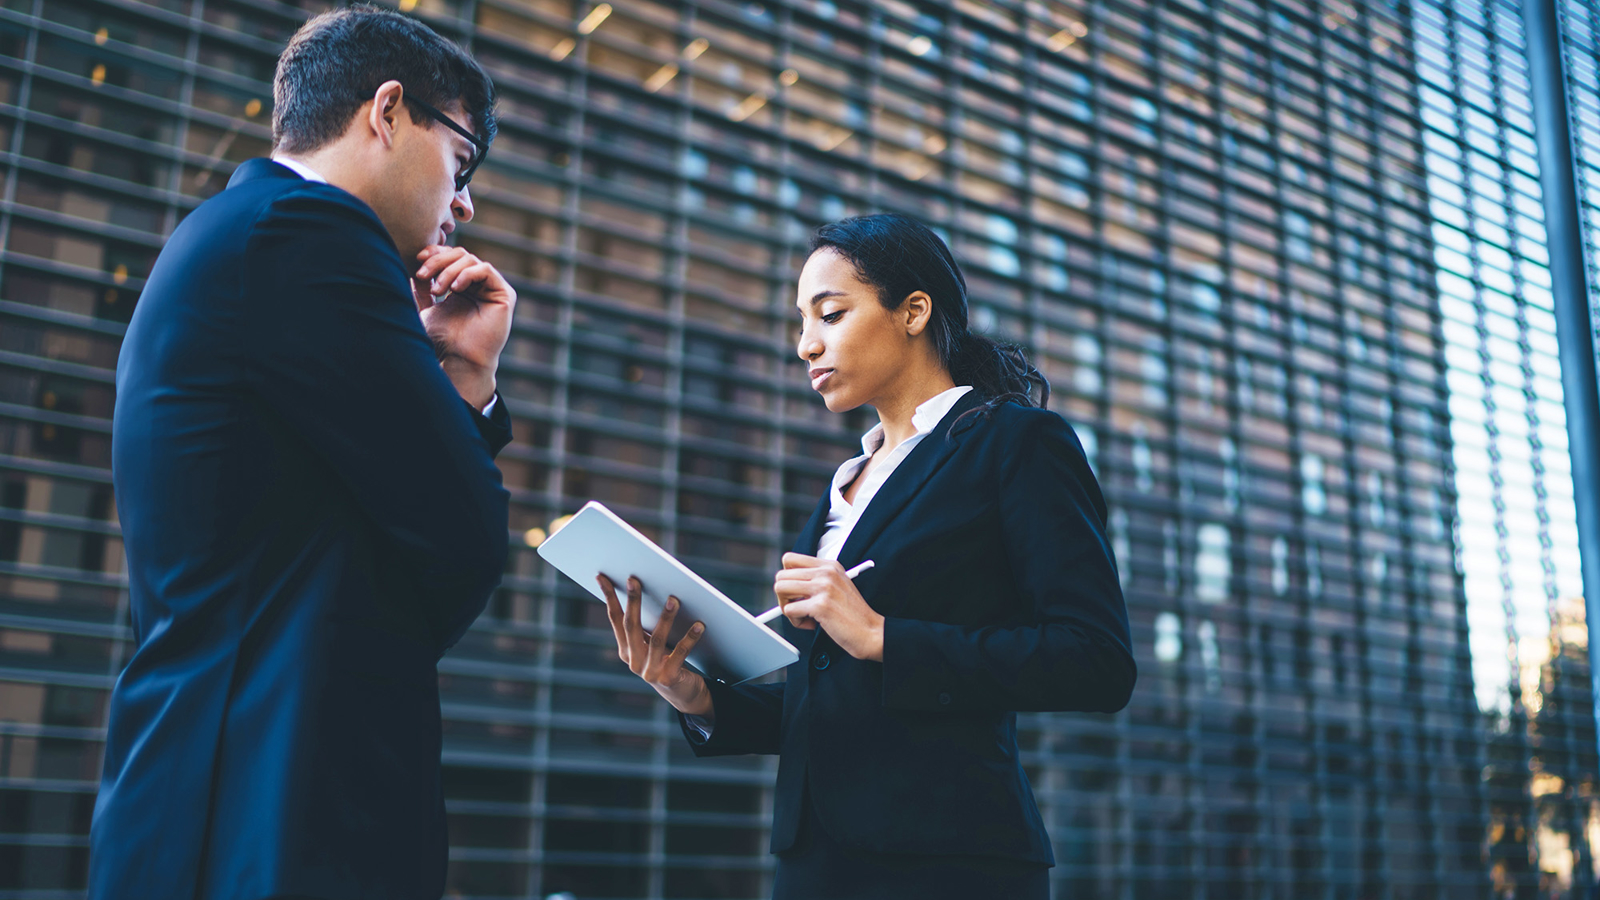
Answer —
(918, 310)
(383, 116)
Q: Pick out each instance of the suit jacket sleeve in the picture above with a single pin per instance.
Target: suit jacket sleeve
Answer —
(748, 719)
(1076, 654)
(339, 353)
(495, 428)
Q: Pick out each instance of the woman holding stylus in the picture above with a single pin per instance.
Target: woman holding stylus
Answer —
(993, 591)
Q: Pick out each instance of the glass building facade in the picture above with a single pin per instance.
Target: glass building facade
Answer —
(1282, 261)
(1516, 528)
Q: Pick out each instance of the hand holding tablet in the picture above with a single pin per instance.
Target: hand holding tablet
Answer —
(646, 653)
(734, 647)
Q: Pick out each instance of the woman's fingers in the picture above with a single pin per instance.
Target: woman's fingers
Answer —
(800, 613)
(679, 653)
(658, 637)
(630, 616)
(798, 582)
(614, 615)
(792, 590)
(645, 652)
(633, 630)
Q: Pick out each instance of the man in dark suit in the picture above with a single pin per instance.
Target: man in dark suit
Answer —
(303, 454)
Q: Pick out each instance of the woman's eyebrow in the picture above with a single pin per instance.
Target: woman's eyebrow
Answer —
(820, 296)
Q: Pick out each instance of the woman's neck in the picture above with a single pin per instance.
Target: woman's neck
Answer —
(897, 407)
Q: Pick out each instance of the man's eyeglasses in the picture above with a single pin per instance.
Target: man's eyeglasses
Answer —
(480, 146)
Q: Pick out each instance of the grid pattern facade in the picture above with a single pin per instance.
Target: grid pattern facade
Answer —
(1219, 226)
(1580, 34)
(1517, 531)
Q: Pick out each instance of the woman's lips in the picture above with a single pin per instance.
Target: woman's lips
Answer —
(819, 378)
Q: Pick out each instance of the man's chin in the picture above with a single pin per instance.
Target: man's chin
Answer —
(421, 242)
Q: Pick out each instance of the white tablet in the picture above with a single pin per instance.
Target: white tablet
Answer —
(734, 648)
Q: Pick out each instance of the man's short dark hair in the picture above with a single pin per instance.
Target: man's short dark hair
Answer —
(337, 60)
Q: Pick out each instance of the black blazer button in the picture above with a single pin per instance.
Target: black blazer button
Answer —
(821, 662)
(944, 699)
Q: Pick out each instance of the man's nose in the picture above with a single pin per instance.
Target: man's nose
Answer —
(461, 205)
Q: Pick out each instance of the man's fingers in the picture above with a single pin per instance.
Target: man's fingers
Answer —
(437, 258)
(435, 272)
(449, 275)
(473, 274)
(800, 561)
(421, 294)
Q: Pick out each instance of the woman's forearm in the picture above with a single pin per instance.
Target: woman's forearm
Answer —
(693, 698)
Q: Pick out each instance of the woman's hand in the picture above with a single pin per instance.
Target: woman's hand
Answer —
(646, 652)
(817, 592)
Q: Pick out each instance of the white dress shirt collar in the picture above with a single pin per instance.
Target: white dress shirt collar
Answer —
(299, 168)
(843, 515)
(925, 419)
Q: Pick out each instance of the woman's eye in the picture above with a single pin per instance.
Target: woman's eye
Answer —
(833, 317)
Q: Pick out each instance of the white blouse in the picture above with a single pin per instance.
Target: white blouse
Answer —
(842, 514)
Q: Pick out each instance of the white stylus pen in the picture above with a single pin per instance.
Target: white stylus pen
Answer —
(777, 611)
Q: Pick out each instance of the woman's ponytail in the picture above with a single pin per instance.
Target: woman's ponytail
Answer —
(899, 256)
(998, 371)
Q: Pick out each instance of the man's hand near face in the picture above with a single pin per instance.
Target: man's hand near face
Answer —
(466, 307)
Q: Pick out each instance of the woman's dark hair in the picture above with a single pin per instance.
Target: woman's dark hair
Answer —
(336, 61)
(899, 256)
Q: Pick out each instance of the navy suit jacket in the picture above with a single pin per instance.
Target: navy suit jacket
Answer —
(1000, 595)
(312, 515)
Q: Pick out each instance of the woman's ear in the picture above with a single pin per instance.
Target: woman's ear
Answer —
(918, 310)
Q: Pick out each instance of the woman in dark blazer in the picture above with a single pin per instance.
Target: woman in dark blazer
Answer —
(994, 591)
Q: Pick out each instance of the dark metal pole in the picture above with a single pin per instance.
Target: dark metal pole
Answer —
(1569, 282)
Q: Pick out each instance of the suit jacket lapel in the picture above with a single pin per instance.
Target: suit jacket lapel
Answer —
(914, 472)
